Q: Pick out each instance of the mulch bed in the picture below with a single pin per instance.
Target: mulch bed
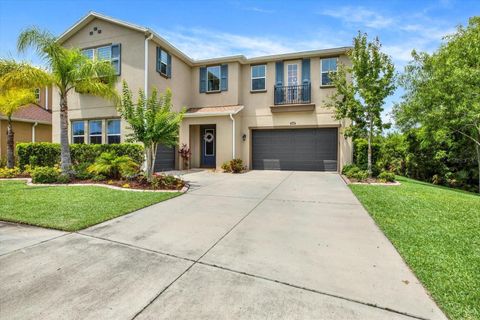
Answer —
(371, 181)
(130, 184)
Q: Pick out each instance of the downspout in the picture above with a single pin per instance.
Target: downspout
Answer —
(233, 135)
(146, 64)
(33, 131)
(46, 98)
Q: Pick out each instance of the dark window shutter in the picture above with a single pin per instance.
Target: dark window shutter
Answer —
(224, 77)
(203, 79)
(279, 73)
(169, 65)
(116, 57)
(279, 92)
(305, 71)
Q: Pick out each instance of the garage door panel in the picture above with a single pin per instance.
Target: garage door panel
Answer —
(295, 149)
(164, 159)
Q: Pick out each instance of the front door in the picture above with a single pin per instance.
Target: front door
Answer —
(208, 143)
(292, 82)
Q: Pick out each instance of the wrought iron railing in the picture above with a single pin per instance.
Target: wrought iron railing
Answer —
(300, 94)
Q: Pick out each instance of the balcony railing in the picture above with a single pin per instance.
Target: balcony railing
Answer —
(300, 94)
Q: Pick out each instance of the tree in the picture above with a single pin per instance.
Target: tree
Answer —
(70, 71)
(152, 121)
(17, 82)
(442, 90)
(361, 98)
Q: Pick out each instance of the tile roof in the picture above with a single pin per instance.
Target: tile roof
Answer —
(217, 110)
(32, 113)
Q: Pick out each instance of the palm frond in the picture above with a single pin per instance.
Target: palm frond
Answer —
(13, 99)
(21, 75)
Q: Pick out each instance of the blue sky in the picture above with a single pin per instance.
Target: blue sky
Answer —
(205, 29)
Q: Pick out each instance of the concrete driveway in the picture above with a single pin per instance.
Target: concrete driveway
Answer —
(260, 245)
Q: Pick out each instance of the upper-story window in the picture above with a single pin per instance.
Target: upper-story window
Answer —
(37, 95)
(111, 53)
(164, 63)
(259, 74)
(326, 66)
(78, 131)
(213, 78)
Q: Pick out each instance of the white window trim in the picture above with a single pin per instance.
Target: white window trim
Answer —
(322, 72)
(161, 62)
(253, 78)
(219, 78)
(37, 95)
(114, 134)
(95, 135)
(78, 135)
(292, 64)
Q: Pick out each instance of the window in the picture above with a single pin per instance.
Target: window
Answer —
(163, 62)
(327, 65)
(113, 131)
(95, 131)
(213, 78)
(78, 132)
(259, 77)
(110, 53)
(292, 74)
(37, 95)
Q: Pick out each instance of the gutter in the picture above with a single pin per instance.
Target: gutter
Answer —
(233, 135)
(33, 131)
(211, 114)
(146, 64)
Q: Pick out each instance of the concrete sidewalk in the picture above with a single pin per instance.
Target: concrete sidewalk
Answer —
(260, 245)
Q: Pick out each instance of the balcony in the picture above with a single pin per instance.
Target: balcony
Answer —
(299, 94)
(292, 98)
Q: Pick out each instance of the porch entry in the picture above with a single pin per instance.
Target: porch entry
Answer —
(208, 145)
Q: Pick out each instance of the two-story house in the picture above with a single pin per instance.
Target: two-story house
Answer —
(269, 111)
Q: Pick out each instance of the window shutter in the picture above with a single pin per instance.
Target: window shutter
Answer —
(224, 77)
(306, 71)
(203, 79)
(158, 59)
(279, 92)
(116, 53)
(169, 65)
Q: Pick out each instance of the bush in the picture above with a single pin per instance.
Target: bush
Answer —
(386, 176)
(45, 174)
(112, 166)
(46, 154)
(63, 178)
(163, 181)
(360, 154)
(234, 166)
(81, 171)
(347, 168)
(360, 175)
(9, 173)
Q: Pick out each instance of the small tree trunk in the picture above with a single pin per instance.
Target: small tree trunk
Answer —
(369, 153)
(154, 156)
(66, 160)
(10, 145)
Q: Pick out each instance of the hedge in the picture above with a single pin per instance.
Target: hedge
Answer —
(46, 154)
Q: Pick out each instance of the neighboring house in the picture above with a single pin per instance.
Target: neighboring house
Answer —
(269, 111)
(31, 123)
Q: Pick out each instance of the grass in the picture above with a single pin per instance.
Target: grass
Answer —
(437, 232)
(69, 208)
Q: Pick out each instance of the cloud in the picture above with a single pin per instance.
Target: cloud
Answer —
(360, 15)
(257, 9)
(201, 43)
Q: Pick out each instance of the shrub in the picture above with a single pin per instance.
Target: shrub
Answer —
(360, 154)
(163, 181)
(234, 166)
(9, 173)
(63, 178)
(47, 154)
(386, 176)
(226, 166)
(45, 174)
(99, 177)
(347, 168)
(81, 171)
(44, 154)
(360, 175)
(185, 154)
(112, 166)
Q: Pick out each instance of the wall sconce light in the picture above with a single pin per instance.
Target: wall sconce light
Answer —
(244, 137)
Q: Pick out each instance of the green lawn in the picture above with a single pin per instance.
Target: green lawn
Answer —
(437, 232)
(69, 208)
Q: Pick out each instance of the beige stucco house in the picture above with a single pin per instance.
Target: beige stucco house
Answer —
(269, 111)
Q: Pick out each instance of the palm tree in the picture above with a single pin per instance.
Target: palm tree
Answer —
(70, 70)
(17, 82)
